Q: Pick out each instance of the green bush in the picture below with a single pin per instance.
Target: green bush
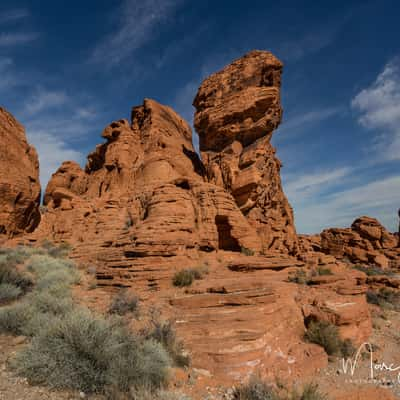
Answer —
(164, 333)
(384, 298)
(14, 319)
(124, 302)
(246, 251)
(185, 277)
(9, 292)
(300, 277)
(327, 336)
(257, 389)
(88, 353)
(10, 275)
(321, 271)
(310, 392)
(373, 270)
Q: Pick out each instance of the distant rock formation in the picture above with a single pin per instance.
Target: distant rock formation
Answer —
(19, 179)
(237, 110)
(365, 242)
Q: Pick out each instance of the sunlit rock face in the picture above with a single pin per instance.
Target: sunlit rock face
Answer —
(237, 110)
(19, 179)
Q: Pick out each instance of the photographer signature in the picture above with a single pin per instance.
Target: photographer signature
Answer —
(349, 365)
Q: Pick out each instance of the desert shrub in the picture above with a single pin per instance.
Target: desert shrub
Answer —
(347, 348)
(185, 277)
(14, 319)
(9, 292)
(88, 353)
(35, 312)
(60, 251)
(326, 335)
(255, 389)
(9, 274)
(300, 276)
(320, 271)
(164, 333)
(371, 270)
(246, 251)
(124, 302)
(384, 298)
(309, 392)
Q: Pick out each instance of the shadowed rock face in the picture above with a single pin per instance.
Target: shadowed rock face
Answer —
(237, 110)
(19, 179)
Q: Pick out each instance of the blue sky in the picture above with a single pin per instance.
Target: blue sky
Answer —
(67, 69)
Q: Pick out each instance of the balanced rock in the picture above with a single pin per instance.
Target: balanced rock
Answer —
(19, 179)
(237, 110)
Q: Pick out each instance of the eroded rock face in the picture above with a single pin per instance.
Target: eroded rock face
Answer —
(19, 179)
(237, 110)
(145, 207)
(366, 242)
(145, 187)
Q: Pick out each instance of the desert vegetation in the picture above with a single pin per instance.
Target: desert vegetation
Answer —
(70, 346)
(327, 336)
(257, 389)
(304, 276)
(185, 277)
(385, 298)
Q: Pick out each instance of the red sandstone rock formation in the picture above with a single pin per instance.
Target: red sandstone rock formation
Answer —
(366, 242)
(237, 110)
(19, 179)
(144, 186)
(145, 206)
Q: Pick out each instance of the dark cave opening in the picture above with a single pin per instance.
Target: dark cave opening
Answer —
(225, 239)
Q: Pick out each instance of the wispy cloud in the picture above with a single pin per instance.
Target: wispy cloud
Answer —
(52, 150)
(44, 100)
(13, 39)
(8, 78)
(311, 42)
(137, 22)
(306, 185)
(300, 121)
(379, 108)
(332, 198)
(13, 15)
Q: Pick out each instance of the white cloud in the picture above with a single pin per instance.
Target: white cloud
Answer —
(317, 206)
(44, 100)
(379, 107)
(137, 22)
(52, 151)
(304, 186)
(299, 122)
(13, 39)
(13, 15)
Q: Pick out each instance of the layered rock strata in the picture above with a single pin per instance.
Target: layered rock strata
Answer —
(237, 110)
(19, 179)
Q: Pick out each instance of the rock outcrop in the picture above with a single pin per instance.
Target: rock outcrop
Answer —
(366, 242)
(237, 110)
(144, 187)
(19, 179)
(145, 207)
